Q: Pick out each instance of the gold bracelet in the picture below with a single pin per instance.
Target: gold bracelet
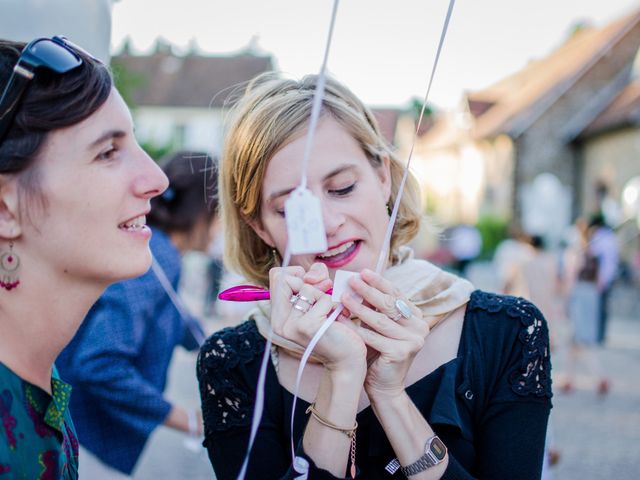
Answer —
(349, 432)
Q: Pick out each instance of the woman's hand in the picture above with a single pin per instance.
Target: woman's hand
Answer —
(395, 338)
(340, 348)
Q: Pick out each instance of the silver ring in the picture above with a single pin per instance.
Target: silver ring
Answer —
(307, 303)
(303, 309)
(305, 299)
(403, 309)
(297, 296)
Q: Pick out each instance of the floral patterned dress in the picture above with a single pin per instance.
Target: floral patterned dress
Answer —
(37, 437)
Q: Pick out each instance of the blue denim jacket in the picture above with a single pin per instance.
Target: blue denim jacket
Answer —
(117, 362)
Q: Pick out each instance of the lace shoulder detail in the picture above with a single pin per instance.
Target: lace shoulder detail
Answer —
(226, 400)
(534, 375)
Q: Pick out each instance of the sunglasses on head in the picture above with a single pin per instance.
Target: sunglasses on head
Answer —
(56, 54)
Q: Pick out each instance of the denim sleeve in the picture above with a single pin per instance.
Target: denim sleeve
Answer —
(106, 362)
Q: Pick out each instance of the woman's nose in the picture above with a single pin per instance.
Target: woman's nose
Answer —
(333, 218)
(151, 180)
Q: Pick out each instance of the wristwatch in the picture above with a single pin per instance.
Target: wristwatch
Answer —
(434, 453)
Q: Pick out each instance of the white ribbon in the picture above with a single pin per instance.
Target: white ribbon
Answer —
(315, 114)
(382, 259)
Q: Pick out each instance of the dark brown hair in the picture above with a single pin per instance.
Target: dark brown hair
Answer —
(50, 102)
(192, 192)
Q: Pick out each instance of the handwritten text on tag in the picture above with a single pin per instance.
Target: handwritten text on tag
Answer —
(304, 223)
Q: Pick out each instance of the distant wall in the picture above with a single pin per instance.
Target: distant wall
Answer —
(186, 128)
(85, 22)
(613, 157)
(543, 146)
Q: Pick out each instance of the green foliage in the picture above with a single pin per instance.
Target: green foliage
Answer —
(493, 230)
(126, 81)
(157, 151)
(430, 202)
(415, 107)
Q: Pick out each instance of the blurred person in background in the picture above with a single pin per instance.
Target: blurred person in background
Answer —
(603, 245)
(118, 360)
(581, 282)
(541, 284)
(510, 255)
(538, 278)
(465, 244)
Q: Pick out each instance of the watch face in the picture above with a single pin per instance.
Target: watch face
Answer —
(437, 448)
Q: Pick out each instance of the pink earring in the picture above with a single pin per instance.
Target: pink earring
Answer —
(9, 264)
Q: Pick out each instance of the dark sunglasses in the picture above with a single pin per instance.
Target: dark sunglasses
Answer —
(56, 54)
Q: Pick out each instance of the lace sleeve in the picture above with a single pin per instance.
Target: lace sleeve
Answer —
(533, 375)
(226, 395)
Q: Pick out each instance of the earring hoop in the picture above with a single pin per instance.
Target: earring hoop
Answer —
(9, 267)
(275, 258)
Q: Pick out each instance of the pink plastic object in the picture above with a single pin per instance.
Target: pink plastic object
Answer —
(244, 293)
(247, 293)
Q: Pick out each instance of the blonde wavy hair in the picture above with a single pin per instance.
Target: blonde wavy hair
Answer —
(273, 111)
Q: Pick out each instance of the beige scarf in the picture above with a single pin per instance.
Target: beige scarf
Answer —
(430, 288)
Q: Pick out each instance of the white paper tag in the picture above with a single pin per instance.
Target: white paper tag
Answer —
(305, 226)
(341, 284)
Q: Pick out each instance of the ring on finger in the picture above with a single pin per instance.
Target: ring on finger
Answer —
(404, 311)
(304, 306)
(302, 298)
(296, 297)
(303, 309)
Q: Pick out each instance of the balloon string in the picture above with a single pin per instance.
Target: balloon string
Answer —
(315, 113)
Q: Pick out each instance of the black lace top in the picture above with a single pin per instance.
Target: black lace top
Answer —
(489, 405)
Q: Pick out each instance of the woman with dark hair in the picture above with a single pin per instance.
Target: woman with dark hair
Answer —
(118, 361)
(75, 187)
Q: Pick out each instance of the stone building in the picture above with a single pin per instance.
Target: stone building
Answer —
(531, 147)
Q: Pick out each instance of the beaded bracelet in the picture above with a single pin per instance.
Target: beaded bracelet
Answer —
(349, 432)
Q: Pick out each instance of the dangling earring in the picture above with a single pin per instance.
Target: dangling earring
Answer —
(388, 209)
(9, 264)
(275, 258)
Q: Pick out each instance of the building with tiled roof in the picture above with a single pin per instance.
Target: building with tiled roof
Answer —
(521, 147)
(178, 100)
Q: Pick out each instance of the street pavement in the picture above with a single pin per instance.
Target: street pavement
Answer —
(598, 437)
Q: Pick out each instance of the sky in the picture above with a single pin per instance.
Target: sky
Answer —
(382, 50)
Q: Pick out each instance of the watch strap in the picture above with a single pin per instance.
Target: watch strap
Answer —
(427, 460)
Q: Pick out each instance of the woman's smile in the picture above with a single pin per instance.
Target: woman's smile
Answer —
(137, 226)
(340, 255)
(352, 191)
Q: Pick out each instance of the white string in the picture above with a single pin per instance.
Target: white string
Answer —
(384, 252)
(259, 406)
(385, 246)
(315, 113)
(317, 100)
(177, 301)
(303, 362)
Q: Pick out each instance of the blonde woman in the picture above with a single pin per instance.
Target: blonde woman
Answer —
(427, 378)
